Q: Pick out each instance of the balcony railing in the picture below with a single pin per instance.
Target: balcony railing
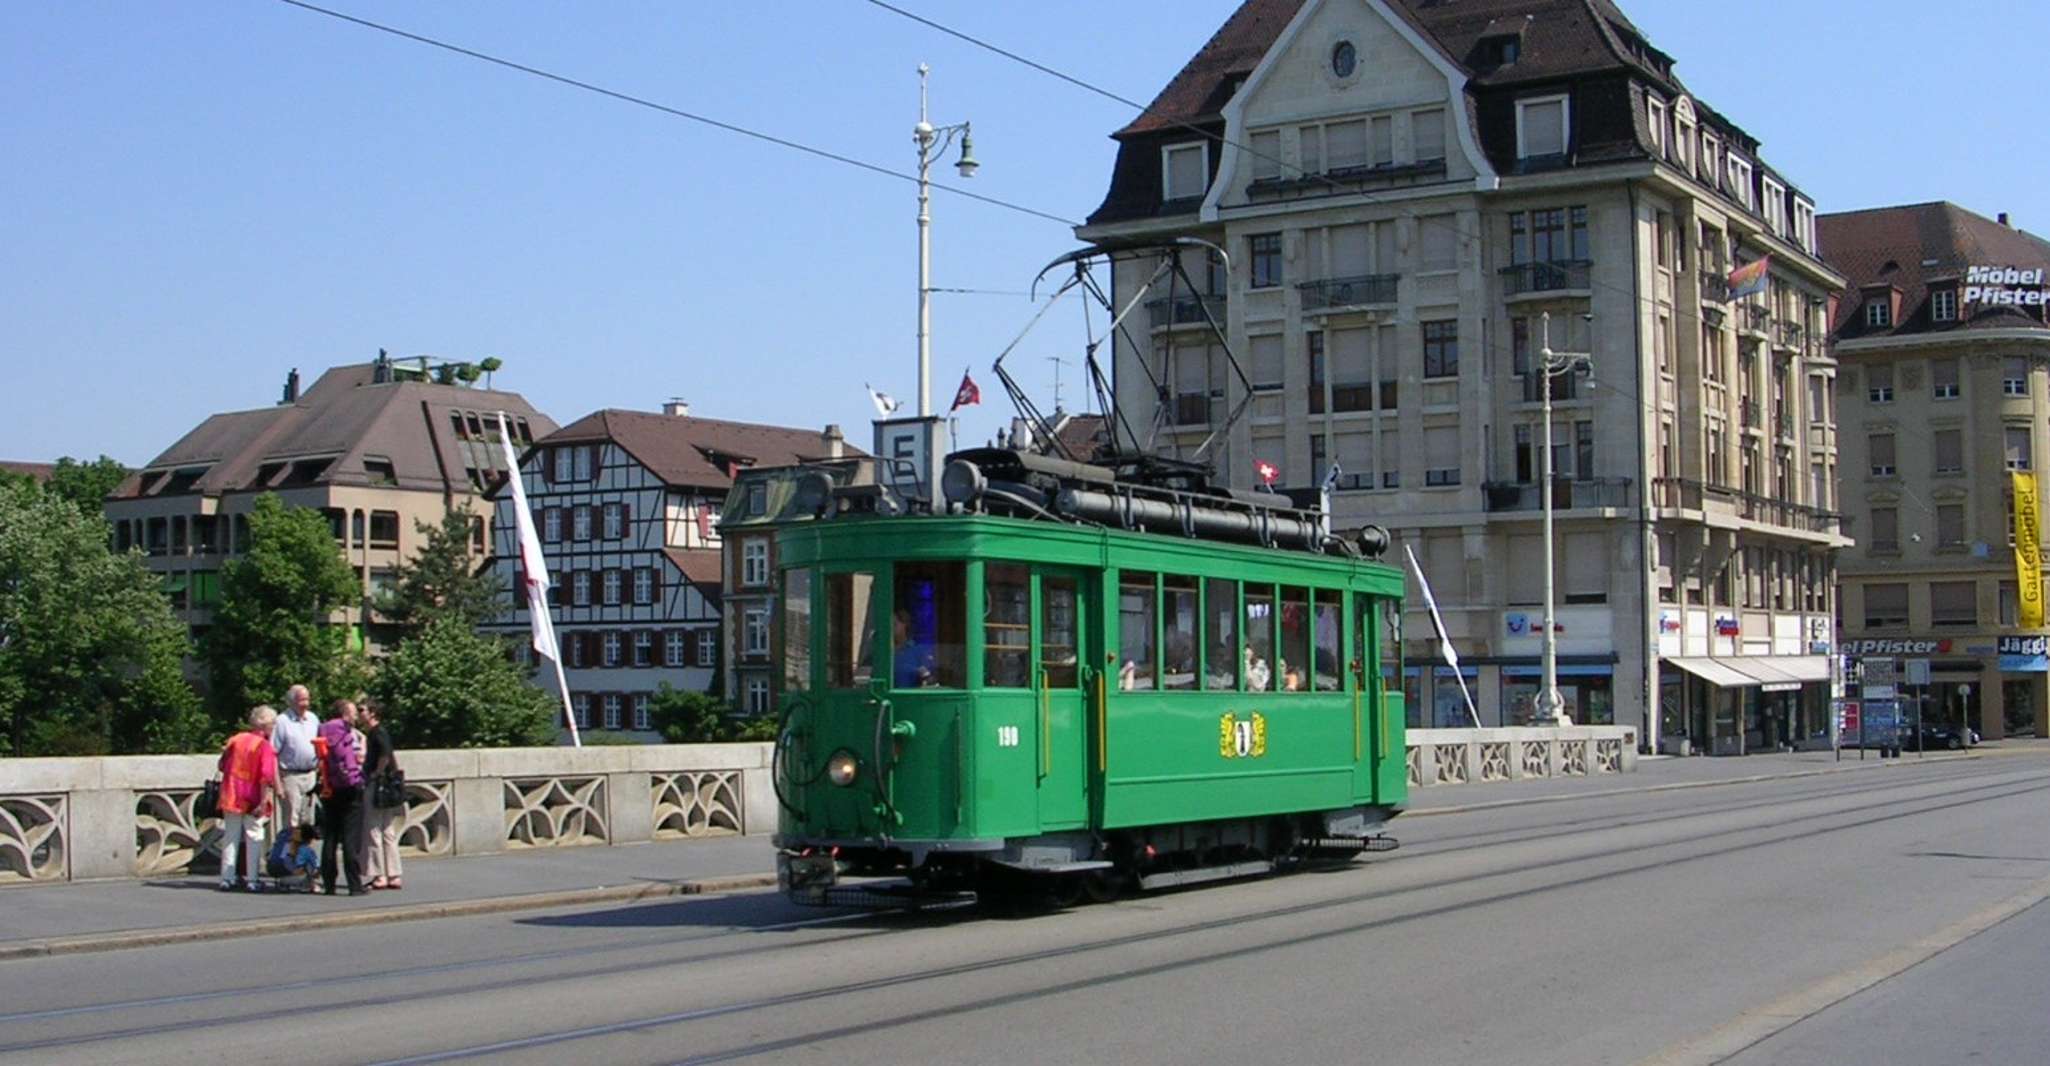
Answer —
(1747, 414)
(1714, 287)
(1349, 292)
(1754, 319)
(1185, 310)
(1687, 494)
(1567, 493)
(1792, 334)
(1564, 387)
(1192, 409)
(1783, 424)
(1526, 278)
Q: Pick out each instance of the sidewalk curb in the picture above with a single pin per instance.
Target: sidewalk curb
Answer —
(1679, 785)
(143, 938)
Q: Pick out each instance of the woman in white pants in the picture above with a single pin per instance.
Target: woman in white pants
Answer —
(249, 791)
(382, 823)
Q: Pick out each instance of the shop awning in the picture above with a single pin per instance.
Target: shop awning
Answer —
(1716, 672)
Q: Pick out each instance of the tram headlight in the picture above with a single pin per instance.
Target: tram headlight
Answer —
(843, 768)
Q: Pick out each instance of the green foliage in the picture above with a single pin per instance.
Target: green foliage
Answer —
(90, 652)
(443, 580)
(700, 718)
(448, 687)
(272, 629)
(86, 485)
(491, 364)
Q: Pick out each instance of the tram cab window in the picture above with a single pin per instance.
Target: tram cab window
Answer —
(1059, 647)
(1221, 635)
(928, 626)
(850, 630)
(1259, 656)
(796, 630)
(1330, 662)
(1295, 639)
(1137, 641)
(1006, 626)
(1178, 632)
(1391, 642)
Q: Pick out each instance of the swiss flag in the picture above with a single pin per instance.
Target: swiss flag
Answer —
(967, 394)
(1267, 471)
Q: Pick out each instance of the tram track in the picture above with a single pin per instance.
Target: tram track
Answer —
(1543, 831)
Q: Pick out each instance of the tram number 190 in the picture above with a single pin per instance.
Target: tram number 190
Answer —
(1007, 736)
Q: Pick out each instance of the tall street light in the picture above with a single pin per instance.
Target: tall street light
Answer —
(1551, 706)
(933, 141)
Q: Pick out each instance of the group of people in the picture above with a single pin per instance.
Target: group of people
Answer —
(301, 780)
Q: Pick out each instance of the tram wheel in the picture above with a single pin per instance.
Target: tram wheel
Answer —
(1103, 886)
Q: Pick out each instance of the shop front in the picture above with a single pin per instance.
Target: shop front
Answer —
(1993, 684)
(1744, 704)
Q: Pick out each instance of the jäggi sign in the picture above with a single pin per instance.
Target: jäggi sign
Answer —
(2004, 286)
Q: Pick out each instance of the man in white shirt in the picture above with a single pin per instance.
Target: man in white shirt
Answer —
(293, 737)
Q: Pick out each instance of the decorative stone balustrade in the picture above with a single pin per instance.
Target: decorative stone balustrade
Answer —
(76, 819)
(1474, 756)
(131, 816)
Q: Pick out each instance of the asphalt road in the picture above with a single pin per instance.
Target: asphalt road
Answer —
(1615, 929)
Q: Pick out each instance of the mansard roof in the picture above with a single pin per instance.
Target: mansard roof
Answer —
(1917, 248)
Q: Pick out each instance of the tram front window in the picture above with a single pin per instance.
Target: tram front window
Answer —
(850, 630)
(928, 625)
(796, 630)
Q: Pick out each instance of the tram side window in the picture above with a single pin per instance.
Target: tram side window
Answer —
(1058, 648)
(1295, 639)
(850, 630)
(1221, 635)
(1330, 662)
(796, 630)
(928, 625)
(1006, 626)
(1136, 638)
(1178, 619)
(1259, 657)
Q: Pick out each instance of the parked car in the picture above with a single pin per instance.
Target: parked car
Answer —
(1936, 737)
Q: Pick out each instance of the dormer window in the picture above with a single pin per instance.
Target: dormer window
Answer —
(1879, 311)
(1655, 119)
(1541, 125)
(1740, 180)
(1185, 171)
(1943, 305)
(1683, 132)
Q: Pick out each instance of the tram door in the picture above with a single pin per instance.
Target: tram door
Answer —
(1061, 686)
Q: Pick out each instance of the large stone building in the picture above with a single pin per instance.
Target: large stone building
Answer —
(1404, 188)
(627, 506)
(377, 447)
(1943, 393)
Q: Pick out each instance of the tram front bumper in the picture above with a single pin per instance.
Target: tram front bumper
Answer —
(805, 877)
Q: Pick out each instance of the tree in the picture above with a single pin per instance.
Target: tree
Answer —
(86, 485)
(90, 653)
(684, 717)
(443, 580)
(446, 686)
(273, 628)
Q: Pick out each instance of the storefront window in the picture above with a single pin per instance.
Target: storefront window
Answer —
(1448, 703)
(928, 626)
(850, 630)
(1413, 697)
(796, 630)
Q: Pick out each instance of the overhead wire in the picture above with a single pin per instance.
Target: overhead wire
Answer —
(677, 112)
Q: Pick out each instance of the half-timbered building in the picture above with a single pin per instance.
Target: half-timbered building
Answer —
(626, 504)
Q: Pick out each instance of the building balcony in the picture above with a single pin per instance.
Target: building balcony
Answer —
(1564, 387)
(1755, 320)
(1715, 288)
(1689, 495)
(1791, 336)
(1748, 414)
(1188, 309)
(1539, 279)
(1363, 290)
(1192, 409)
(1567, 494)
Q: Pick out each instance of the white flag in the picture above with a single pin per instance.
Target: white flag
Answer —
(886, 405)
(1331, 477)
(531, 558)
(1430, 601)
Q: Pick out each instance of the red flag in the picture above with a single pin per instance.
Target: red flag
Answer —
(1267, 471)
(704, 522)
(965, 395)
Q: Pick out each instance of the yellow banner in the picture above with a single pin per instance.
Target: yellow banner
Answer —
(2028, 550)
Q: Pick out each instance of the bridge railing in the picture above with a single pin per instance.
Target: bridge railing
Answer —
(1475, 756)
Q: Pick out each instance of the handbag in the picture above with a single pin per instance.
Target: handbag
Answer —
(388, 789)
(208, 804)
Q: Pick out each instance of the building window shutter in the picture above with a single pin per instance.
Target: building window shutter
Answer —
(626, 521)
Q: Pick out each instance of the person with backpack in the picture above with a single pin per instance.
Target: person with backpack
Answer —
(249, 792)
(341, 807)
(384, 783)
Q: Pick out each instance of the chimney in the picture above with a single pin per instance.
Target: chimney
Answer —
(291, 387)
(677, 407)
(835, 440)
(2003, 218)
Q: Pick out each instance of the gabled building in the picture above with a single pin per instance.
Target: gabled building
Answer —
(1404, 190)
(627, 506)
(1944, 345)
(377, 447)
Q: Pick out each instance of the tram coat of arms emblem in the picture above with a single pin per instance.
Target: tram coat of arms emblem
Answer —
(1241, 738)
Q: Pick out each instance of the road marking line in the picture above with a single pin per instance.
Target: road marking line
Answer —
(1767, 1020)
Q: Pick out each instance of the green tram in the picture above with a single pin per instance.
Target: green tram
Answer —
(1008, 697)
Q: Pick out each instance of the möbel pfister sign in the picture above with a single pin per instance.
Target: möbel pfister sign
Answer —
(1995, 286)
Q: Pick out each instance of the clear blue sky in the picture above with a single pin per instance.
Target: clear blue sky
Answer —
(200, 196)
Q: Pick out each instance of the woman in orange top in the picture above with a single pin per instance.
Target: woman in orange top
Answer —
(249, 788)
